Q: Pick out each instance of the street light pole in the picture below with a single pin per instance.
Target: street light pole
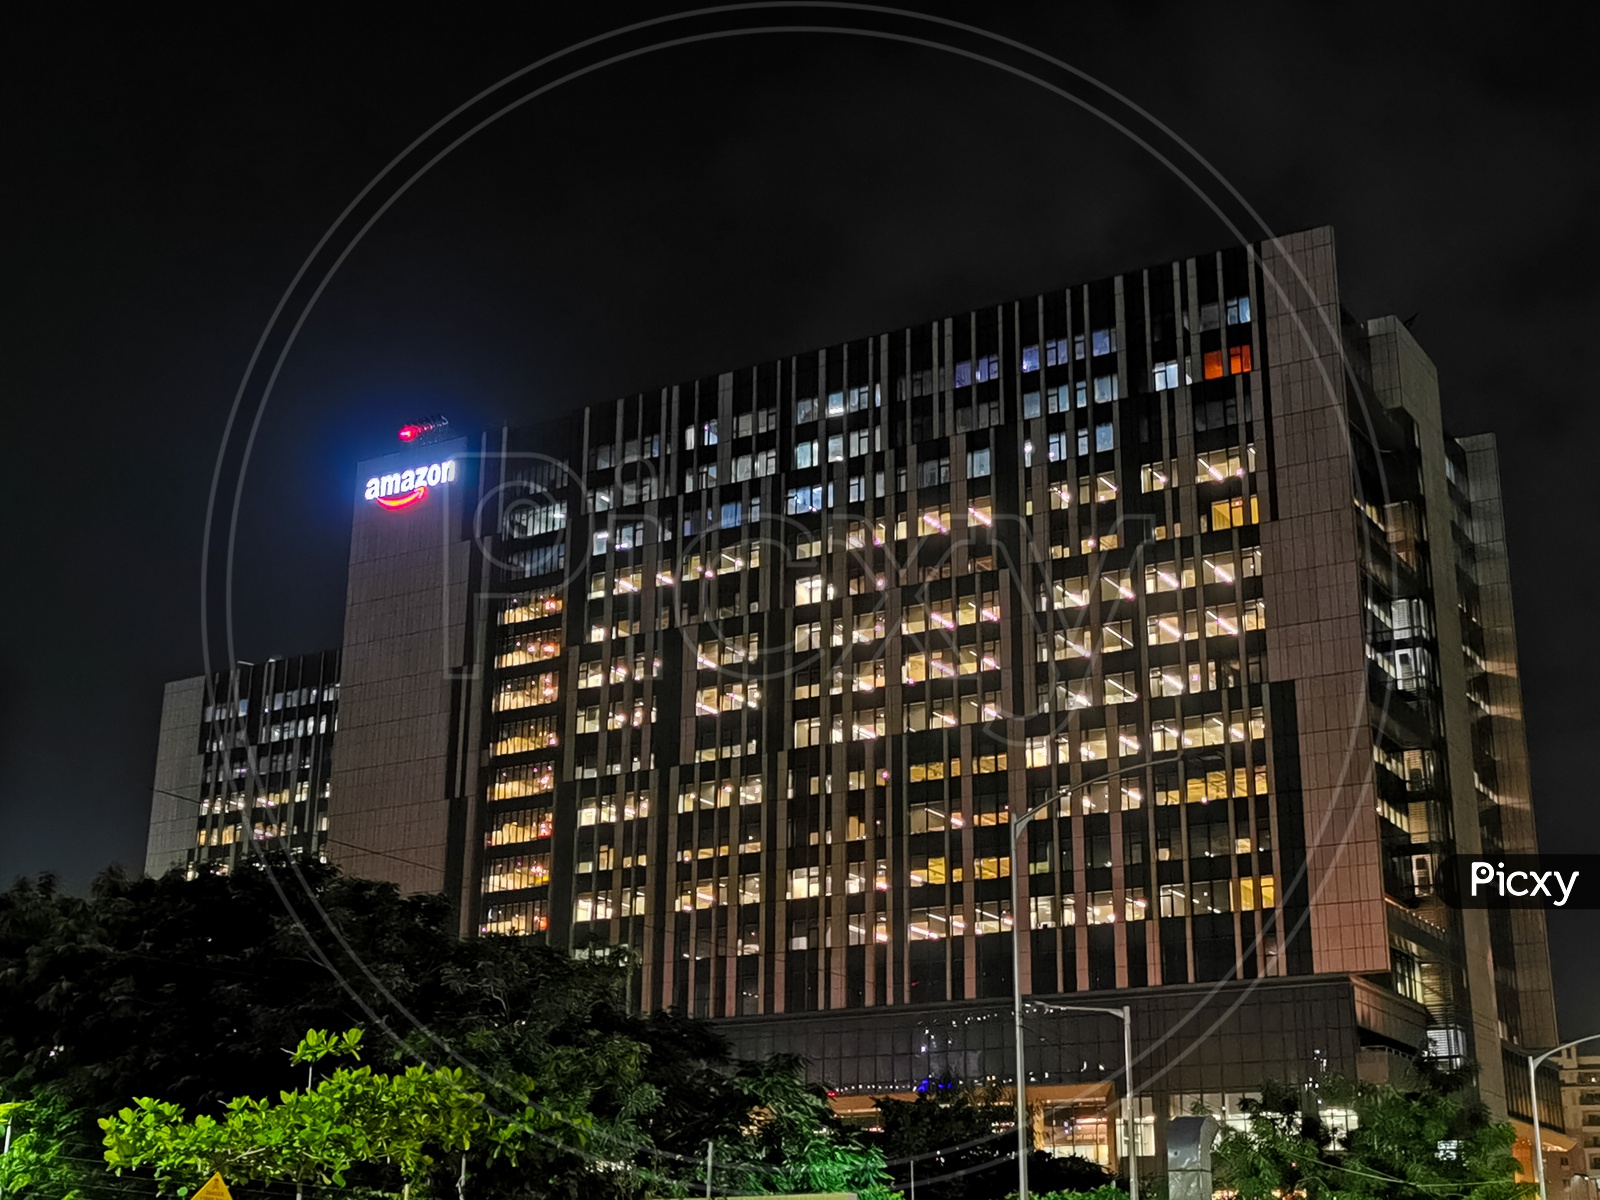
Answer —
(1130, 1120)
(1018, 924)
(1533, 1104)
(1021, 921)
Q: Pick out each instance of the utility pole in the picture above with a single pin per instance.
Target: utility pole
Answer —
(710, 1146)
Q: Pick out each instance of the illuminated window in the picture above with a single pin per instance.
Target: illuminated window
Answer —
(531, 519)
(1238, 310)
(518, 649)
(1238, 360)
(527, 691)
(514, 874)
(1166, 376)
(928, 924)
(1102, 908)
(1218, 466)
(508, 829)
(1167, 681)
(1210, 896)
(1167, 577)
(518, 737)
(804, 500)
(1171, 627)
(1232, 513)
(1213, 364)
(926, 869)
(518, 919)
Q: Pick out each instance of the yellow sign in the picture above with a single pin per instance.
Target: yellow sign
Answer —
(214, 1189)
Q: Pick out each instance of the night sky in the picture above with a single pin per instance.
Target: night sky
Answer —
(689, 210)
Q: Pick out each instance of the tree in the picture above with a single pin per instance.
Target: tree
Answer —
(390, 1130)
(950, 1130)
(962, 1138)
(1415, 1143)
(194, 991)
(47, 1156)
(195, 988)
(789, 1139)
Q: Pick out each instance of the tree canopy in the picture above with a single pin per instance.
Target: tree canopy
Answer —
(188, 1003)
(1407, 1143)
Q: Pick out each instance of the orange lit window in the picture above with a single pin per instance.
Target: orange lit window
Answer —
(1238, 360)
(1213, 364)
(1230, 514)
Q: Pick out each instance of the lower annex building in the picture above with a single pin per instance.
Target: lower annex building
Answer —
(753, 672)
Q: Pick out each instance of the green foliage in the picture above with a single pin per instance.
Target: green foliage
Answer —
(789, 1140)
(48, 1158)
(179, 1005)
(194, 989)
(1106, 1191)
(395, 1125)
(950, 1129)
(1419, 1143)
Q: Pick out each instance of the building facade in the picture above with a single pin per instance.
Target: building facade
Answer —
(1578, 1163)
(752, 674)
(244, 759)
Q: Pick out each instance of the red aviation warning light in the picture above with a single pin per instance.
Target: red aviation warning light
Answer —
(422, 431)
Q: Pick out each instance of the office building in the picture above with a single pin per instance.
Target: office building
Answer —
(244, 757)
(753, 672)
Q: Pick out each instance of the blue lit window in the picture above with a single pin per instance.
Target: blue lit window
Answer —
(1030, 359)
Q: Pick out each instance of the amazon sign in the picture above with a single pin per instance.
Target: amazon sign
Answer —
(402, 489)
